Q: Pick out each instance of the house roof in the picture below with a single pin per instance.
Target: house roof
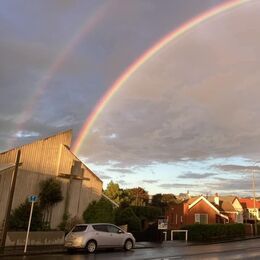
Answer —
(249, 203)
(225, 203)
(193, 201)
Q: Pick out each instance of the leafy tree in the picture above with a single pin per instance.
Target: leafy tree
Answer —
(99, 211)
(118, 195)
(50, 194)
(113, 191)
(169, 198)
(157, 200)
(20, 216)
(139, 196)
(163, 200)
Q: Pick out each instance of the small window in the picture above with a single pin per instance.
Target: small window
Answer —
(201, 218)
(102, 228)
(80, 228)
(113, 229)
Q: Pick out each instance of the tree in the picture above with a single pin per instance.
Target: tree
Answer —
(118, 195)
(50, 194)
(20, 216)
(113, 191)
(126, 216)
(157, 200)
(139, 196)
(99, 211)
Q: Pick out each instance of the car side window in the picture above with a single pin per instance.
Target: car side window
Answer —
(102, 228)
(112, 229)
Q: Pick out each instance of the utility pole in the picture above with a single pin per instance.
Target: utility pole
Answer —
(255, 212)
(10, 200)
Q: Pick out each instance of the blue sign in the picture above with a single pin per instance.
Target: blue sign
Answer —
(33, 198)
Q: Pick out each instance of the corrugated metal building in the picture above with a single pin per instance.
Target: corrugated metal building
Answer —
(45, 158)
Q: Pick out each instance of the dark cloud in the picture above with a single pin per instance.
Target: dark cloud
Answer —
(238, 168)
(191, 175)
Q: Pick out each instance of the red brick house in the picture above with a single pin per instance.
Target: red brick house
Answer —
(204, 210)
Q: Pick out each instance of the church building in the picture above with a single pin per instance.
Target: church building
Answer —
(49, 158)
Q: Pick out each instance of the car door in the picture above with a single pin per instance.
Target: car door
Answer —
(101, 235)
(116, 235)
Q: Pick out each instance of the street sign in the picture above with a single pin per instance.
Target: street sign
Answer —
(32, 198)
(162, 223)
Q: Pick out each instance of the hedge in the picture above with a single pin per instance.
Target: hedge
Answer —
(210, 232)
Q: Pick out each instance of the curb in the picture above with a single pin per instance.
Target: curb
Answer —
(60, 251)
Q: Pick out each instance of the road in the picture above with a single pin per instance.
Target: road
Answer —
(248, 249)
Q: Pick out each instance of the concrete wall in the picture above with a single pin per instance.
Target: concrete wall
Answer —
(35, 238)
(43, 159)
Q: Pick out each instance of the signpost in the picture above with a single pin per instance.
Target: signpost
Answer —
(32, 199)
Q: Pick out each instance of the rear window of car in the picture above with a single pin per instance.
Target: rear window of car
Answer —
(80, 228)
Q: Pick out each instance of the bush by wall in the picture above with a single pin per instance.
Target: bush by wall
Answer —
(20, 216)
(211, 232)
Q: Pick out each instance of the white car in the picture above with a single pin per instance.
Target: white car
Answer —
(98, 235)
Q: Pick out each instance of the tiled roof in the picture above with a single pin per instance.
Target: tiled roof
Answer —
(225, 203)
(249, 203)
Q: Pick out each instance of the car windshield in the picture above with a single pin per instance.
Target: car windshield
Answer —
(80, 228)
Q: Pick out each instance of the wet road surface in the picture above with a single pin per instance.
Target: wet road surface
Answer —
(248, 249)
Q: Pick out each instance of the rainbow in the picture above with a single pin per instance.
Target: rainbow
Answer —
(147, 55)
(58, 62)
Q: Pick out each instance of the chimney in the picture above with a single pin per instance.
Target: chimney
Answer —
(216, 199)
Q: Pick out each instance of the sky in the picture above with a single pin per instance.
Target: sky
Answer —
(186, 120)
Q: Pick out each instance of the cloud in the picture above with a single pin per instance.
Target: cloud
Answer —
(104, 177)
(176, 185)
(196, 99)
(238, 168)
(150, 181)
(26, 134)
(191, 175)
(121, 170)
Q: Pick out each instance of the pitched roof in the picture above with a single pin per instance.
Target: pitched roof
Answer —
(193, 201)
(225, 203)
(249, 203)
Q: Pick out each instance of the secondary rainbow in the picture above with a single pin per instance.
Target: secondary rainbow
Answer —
(143, 59)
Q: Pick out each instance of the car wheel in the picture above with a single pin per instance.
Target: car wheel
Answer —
(128, 244)
(91, 246)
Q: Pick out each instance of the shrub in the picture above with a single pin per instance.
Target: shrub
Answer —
(127, 216)
(20, 216)
(200, 232)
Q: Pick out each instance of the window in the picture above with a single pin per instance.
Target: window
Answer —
(112, 229)
(201, 218)
(102, 228)
(80, 228)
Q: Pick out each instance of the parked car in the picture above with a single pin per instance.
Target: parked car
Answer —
(98, 235)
